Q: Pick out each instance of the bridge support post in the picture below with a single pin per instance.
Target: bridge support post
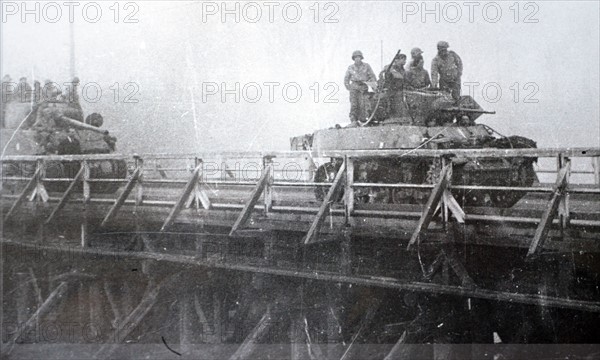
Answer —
(268, 192)
(139, 185)
(45, 307)
(298, 344)
(364, 326)
(268, 247)
(349, 189)
(596, 167)
(86, 200)
(189, 331)
(563, 209)
(132, 320)
(346, 251)
(249, 344)
(198, 197)
(334, 321)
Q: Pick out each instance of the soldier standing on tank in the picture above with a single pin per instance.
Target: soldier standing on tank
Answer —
(8, 89)
(50, 91)
(446, 70)
(24, 90)
(37, 92)
(71, 95)
(394, 79)
(6, 97)
(355, 81)
(416, 76)
(415, 54)
(398, 74)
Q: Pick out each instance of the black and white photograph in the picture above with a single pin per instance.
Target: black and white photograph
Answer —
(302, 180)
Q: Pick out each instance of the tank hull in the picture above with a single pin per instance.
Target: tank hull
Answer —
(505, 172)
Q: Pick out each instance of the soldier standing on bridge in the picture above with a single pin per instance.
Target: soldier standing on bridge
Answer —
(446, 70)
(355, 81)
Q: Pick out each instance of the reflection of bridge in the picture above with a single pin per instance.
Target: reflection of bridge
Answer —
(201, 212)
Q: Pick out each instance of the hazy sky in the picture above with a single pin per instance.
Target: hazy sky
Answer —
(180, 57)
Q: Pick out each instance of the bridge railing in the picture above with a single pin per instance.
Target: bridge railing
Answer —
(266, 172)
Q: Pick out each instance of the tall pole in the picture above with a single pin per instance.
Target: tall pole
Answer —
(72, 57)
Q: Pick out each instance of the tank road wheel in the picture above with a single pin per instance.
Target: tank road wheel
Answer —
(403, 196)
(361, 174)
(420, 196)
(523, 176)
(326, 174)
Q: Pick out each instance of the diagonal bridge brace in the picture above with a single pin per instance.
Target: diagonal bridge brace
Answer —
(191, 186)
(313, 231)
(121, 199)
(440, 193)
(558, 195)
(33, 188)
(249, 206)
(66, 195)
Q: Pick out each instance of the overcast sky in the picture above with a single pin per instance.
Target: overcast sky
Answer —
(543, 56)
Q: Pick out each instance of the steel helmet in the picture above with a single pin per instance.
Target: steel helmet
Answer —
(443, 44)
(416, 51)
(357, 53)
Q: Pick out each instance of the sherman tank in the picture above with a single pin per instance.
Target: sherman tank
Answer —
(423, 119)
(56, 126)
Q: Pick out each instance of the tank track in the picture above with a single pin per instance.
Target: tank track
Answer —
(513, 172)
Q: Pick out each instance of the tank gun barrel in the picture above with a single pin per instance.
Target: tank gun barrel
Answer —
(463, 110)
(79, 125)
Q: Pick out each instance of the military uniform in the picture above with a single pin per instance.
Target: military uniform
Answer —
(354, 80)
(417, 78)
(6, 97)
(447, 71)
(24, 91)
(398, 78)
(396, 85)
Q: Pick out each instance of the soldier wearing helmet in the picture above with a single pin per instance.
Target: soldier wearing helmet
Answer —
(71, 94)
(446, 70)
(6, 96)
(71, 97)
(416, 76)
(24, 90)
(357, 75)
(415, 54)
(397, 84)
